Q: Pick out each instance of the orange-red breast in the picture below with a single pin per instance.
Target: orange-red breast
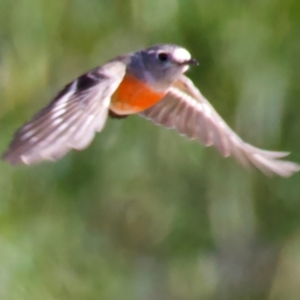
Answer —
(150, 82)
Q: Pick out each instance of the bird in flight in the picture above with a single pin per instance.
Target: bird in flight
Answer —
(149, 82)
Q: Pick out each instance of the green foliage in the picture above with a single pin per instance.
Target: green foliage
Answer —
(144, 213)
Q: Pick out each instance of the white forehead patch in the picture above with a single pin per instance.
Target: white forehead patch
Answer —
(181, 55)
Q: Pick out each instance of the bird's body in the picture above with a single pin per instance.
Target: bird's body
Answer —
(133, 96)
(148, 82)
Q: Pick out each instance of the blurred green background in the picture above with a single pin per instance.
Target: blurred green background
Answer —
(144, 213)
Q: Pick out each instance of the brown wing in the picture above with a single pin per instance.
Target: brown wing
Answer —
(70, 120)
(187, 111)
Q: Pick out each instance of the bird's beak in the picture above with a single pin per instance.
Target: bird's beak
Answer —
(191, 61)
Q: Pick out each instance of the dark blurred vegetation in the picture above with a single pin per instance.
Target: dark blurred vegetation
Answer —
(144, 213)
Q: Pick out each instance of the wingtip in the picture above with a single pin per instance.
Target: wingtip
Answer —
(8, 157)
(274, 166)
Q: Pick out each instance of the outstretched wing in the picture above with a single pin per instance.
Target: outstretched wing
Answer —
(187, 111)
(70, 120)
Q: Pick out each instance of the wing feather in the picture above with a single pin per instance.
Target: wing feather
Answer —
(187, 111)
(70, 120)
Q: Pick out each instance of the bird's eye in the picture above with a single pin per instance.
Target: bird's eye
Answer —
(163, 56)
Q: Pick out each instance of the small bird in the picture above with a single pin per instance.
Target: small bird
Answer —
(149, 82)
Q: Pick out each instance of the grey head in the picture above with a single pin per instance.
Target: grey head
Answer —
(160, 65)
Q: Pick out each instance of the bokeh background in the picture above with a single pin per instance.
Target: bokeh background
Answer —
(144, 213)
